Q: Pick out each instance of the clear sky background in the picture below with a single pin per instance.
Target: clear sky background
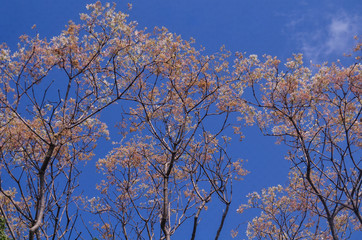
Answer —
(320, 29)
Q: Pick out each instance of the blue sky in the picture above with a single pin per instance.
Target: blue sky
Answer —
(322, 30)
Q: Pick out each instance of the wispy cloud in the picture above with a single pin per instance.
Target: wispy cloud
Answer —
(340, 33)
(327, 37)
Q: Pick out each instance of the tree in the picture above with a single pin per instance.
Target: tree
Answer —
(319, 117)
(170, 163)
(174, 161)
(293, 212)
(49, 126)
(2, 229)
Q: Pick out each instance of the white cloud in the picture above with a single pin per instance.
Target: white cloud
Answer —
(329, 37)
(340, 34)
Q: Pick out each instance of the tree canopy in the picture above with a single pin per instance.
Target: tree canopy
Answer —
(177, 110)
